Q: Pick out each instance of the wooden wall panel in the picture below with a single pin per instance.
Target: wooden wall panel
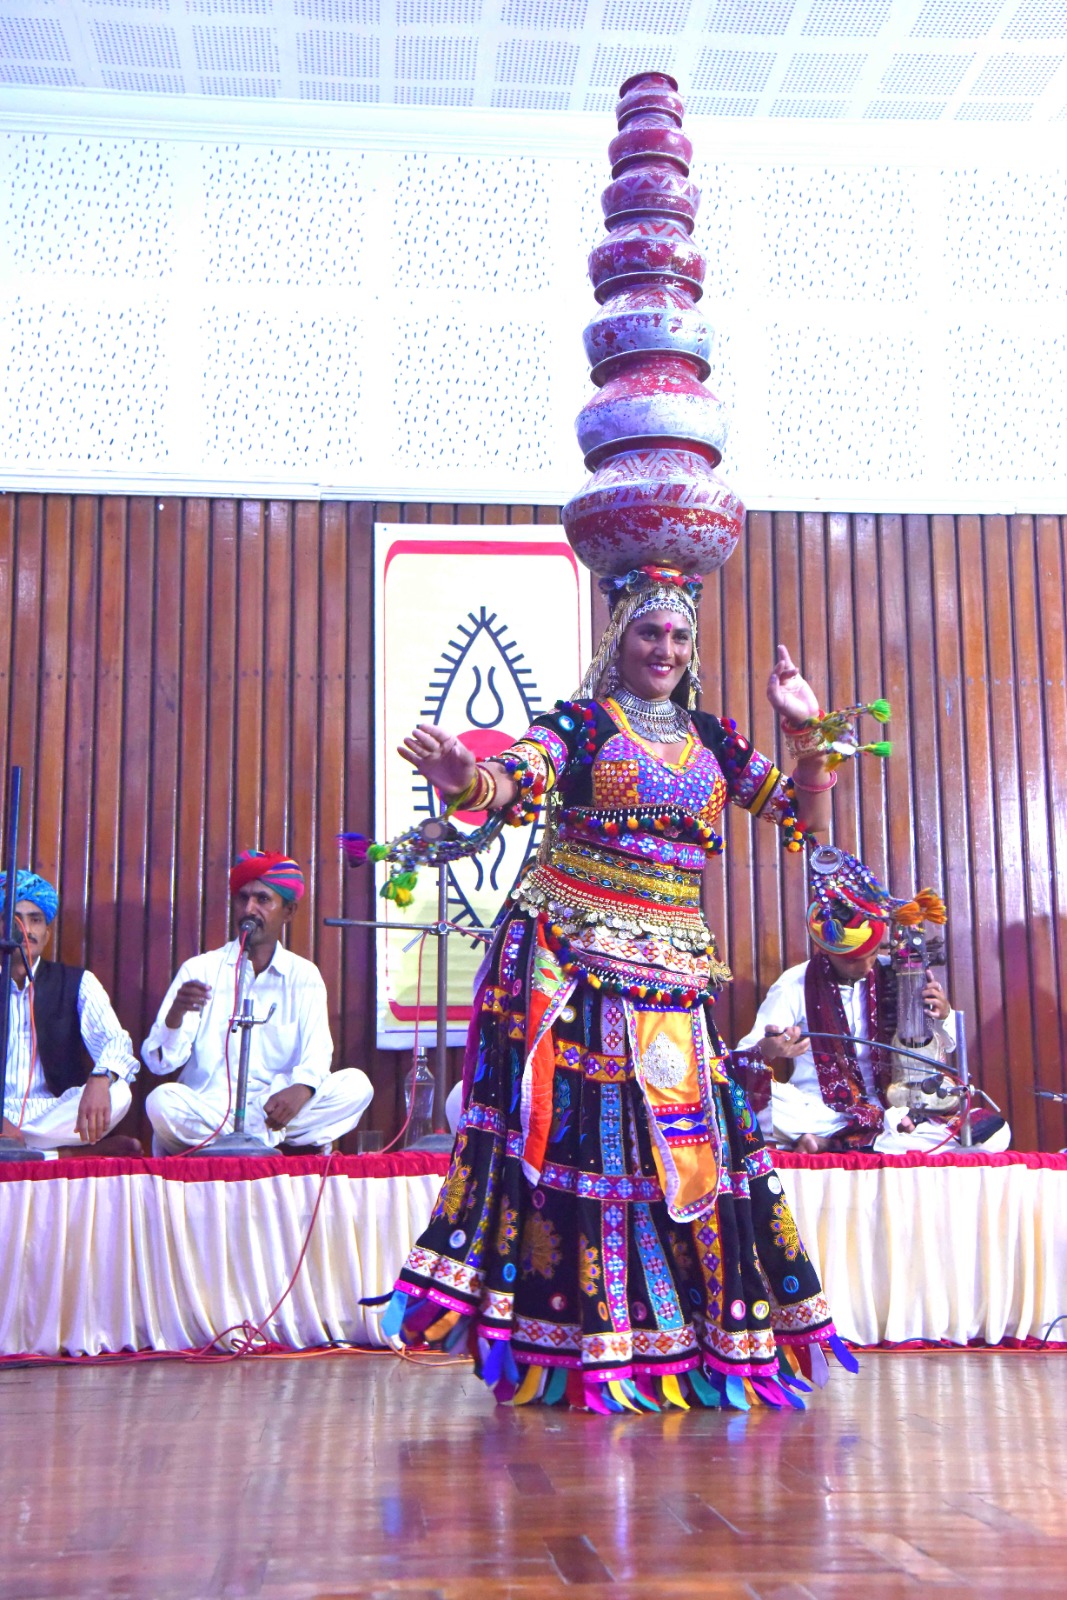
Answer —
(184, 678)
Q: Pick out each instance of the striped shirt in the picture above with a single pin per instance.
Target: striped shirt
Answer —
(105, 1039)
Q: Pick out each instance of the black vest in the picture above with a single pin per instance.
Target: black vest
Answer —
(64, 1058)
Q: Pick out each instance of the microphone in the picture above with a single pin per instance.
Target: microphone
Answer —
(246, 925)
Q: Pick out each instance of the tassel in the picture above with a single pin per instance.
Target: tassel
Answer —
(735, 1392)
(354, 847)
(803, 1356)
(932, 906)
(843, 1354)
(769, 1391)
(705, 1393)
(880, 710)
(672, 1392)
(592, 1399)
(504, 1391)
(641, 1401)
(393, 1316)
(531, 1387)
(575, 1392)
(556, 1386)
(492, 1371)
(882, 748)
(617, 1390)
(511, 1371)
(643, 1385)
(459, 1335)
(820, 1372)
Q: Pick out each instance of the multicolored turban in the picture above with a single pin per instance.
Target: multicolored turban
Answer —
(29, 886)
(278, 872)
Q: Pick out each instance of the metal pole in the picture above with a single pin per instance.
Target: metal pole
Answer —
(10, 1149)
(242, 1066)
(966, 1139)
(440, 1089)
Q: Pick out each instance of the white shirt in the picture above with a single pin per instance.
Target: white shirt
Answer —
(103, 1034)
(295, 1046)
(784, 1007)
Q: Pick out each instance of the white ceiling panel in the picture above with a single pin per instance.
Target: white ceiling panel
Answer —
(891, 60)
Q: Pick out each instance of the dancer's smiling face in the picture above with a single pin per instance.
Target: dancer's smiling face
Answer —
(655, 652)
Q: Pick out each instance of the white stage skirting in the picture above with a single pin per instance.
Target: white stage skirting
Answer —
(164, 1255)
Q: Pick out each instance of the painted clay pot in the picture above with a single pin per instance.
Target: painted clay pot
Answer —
(652, 398)
(648, 317)
(664, 506)
(646, 251)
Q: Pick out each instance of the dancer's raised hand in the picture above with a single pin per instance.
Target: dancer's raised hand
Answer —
(791, 695)
(440, 757)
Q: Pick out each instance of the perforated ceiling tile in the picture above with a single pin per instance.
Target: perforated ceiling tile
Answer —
(614, 63)
(921, 72)
(133, 5)
(820, 72)
(535, 15)
(956, 19)
(231, 8)
(846, 19)
(33, 39)
(1012, 74)
(337, 55)
(1004, 236)
(237, 49)
(36, 72)
(368, 12)
(808, 108)
(438, 13)
(468, 404)
(532, 99)
(100, 208)
(994, 111)
(600, 100)
(551, 62)
(906, 110)
(339, 89)
(239, 88)
(130, 44)
(711, 105)
(437, 58)
(454, 224)
(434, 94)
(1038, 19)
(143, 82)
(283, 216)
(767, 17)
(90, 384)
(739, 70)
(282, 392)
(641, 16)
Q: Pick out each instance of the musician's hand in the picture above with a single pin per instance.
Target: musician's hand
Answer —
(791, 695)
(935, 999)
(282, 1107)
(440, 757)
(782, 1043)
(905, 1125)
(94, 1110)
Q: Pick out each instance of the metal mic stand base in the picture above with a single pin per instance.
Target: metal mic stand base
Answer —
(237, 1144)
(11, 1150)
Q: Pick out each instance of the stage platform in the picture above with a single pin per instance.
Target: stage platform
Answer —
(164, 1255)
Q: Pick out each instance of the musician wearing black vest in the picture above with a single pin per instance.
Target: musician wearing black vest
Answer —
(70, 1062)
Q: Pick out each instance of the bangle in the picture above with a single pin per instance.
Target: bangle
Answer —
(479, 793)
(815, 788)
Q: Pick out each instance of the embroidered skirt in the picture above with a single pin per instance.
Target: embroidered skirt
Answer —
(583, 1287)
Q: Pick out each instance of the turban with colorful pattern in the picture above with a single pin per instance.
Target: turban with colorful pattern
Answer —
(29, 886)
(278, 872)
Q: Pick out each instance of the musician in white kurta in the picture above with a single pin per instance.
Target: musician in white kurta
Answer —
(293, 1097)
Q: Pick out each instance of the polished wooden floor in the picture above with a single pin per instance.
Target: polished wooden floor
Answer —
(366, 1476)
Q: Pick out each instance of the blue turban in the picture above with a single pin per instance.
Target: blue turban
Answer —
(28, 886)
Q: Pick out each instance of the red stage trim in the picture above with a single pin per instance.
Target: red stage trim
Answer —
(230, 1169)
(857, 1160)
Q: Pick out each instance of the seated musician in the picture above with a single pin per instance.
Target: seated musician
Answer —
(294, 1100)
(70, 1062)
(825, 1094)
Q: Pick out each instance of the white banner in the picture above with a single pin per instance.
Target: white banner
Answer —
(477, 629)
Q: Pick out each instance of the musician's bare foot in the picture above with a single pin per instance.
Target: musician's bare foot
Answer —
(809, 1145)
(11, 1132)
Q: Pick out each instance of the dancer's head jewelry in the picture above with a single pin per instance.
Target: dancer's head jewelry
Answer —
(631, 596)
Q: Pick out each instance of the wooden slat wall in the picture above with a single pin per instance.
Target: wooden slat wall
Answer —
(182, 678)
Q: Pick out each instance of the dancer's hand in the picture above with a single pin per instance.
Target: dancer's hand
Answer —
(440, 757)
(791, 695)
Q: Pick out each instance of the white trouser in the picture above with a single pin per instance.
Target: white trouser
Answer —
(454, 1106)
(929, 1136)
(54, 1125)
(792, 1113)
(182, 1117)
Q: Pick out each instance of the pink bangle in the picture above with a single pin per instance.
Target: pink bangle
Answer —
(815, 788)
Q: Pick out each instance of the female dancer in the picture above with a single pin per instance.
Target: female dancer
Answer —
(611, 1232)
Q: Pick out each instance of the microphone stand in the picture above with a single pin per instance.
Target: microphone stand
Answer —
(240, 1143)
(441, 929)
(10, 1149)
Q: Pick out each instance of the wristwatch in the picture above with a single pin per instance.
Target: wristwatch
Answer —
(104, 1072)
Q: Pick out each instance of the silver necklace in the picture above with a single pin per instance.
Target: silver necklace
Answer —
(658, 721)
